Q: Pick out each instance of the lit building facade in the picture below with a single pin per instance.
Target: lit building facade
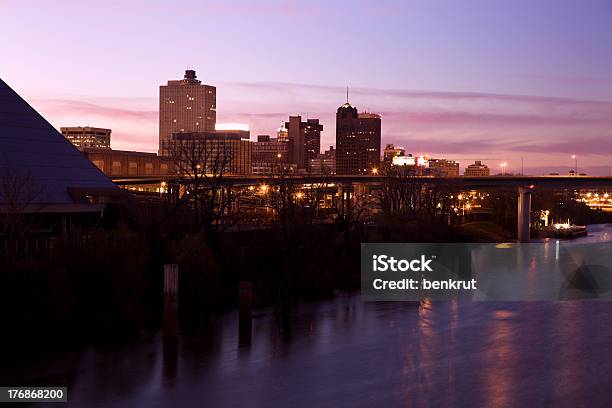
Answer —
(478, 169)
(443, 167)
(357, 141)
(186, 106)
(324, 164)
(282, 134)
(392, 151)
(270, 150)
(86, 136)
(120, 163)
(216, 149)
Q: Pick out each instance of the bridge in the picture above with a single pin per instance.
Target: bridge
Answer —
(525, 185)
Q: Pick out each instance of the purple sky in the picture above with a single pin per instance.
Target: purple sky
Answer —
(493, 80)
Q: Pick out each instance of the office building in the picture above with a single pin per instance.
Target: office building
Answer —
(304, 140)
(392, 151)
(186, 106)
(324, 163)
(233, 129)
(357, 141)
(477, 170)
(407, 160)
(268, 153)
(443, 167)
(223, 151)
(86, 136)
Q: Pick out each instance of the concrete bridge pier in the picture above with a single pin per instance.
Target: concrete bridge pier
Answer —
(361, 189)
(345, 191)
(524, 214)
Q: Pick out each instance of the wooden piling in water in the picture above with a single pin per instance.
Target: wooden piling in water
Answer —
(245, 294)
(245, 311)
(171, 319)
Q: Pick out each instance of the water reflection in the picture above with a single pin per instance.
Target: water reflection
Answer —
(344, 352)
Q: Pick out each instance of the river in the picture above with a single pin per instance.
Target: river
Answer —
(344, 352)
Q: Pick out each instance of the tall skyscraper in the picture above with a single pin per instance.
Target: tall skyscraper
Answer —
(186, 106)
(304, 140)
(357, 140)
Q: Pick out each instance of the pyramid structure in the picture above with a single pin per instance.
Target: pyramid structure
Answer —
(32, 148)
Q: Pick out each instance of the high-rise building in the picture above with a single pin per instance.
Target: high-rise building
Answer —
(217, 150)
(357, 141)
(186, 106)
(392, 151)
(268, 154)
(270, 150)
(476, 170)
(86, 136)
(304, 140)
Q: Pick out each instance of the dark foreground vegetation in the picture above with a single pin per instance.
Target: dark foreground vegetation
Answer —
(104, 281)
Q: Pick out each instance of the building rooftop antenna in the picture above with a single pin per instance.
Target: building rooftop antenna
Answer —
(347, 95)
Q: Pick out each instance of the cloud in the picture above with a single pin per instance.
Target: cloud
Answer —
(84, 108)
(459, 117)
(414, 94)
(458, 125)
(577, 145)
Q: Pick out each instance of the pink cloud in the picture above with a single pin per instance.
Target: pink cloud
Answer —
(462, 125)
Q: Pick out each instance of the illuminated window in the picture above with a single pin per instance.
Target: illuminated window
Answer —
(133, 168)
(99, 164)
(116, 167)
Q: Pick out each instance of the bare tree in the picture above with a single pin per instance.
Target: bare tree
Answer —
(20, 202)
(296, 205)
(352, 207)
(400, 191)
(203, 166)
(427, 205)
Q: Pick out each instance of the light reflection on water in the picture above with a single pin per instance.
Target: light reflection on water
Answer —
(344, 352)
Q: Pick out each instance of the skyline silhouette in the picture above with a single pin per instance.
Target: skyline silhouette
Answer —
(533, 87)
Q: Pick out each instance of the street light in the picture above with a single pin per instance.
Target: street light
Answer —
(374, 171)
(575, 164)
(503, 166)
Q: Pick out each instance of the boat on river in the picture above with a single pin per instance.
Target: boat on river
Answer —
(563, 231)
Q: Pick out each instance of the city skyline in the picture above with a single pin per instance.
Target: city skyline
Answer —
(537, 90)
